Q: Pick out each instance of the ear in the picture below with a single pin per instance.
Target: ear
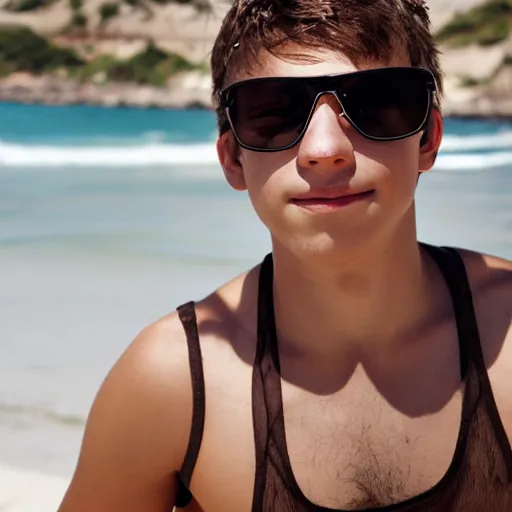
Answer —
(431, 141)
(229, 158)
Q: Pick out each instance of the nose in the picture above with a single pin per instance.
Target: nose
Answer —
(325, 146)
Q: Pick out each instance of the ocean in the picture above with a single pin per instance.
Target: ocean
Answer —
(110, 218)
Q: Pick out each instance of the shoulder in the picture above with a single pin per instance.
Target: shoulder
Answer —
(153, 377)
(491, 284)
(490, 279)
(137, 430)
(139, 426)
(156, 365)
(148, 391)
(488, 274)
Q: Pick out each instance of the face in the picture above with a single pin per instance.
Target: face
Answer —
(335, 189)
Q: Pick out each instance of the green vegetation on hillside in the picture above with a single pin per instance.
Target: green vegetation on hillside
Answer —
(79, 20)
(25, 5)
(484, 25)
(108, 10)
(175, 1)
(30, 5)
(78, 17)
(152, 66)
(23, 50)
(200, 5)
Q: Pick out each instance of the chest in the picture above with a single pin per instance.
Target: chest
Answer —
(365, 443)
(342, 454)
(363, 453)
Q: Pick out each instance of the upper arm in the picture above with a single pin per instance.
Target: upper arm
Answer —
(504, 382)
(491, 283)
(138, 428)
(501, 380)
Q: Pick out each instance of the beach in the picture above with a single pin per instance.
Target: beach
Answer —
(26, 491)
(111, 218)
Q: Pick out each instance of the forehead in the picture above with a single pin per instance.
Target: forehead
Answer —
(299, 62)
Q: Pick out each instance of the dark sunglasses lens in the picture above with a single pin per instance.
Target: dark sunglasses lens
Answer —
(269, 114)
(387, 105)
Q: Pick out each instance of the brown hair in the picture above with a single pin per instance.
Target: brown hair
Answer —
(363, 30)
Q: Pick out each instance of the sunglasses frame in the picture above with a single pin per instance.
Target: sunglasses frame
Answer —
(430, 85)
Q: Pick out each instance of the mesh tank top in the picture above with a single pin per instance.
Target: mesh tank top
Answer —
(479, 478)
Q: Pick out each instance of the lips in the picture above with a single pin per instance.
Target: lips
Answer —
(331, 202)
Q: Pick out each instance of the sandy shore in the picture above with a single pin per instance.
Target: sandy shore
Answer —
(27, 491)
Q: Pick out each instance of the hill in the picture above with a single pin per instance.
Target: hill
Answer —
(155, 52)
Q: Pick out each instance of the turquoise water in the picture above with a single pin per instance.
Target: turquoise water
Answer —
(82, 124)
(123, 181)
(38, 136)
(110, 218)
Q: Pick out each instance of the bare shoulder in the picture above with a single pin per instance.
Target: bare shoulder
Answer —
(487, 273)
(491, 284)
(138, 427)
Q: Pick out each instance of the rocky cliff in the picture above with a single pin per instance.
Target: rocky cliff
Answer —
(111, 39)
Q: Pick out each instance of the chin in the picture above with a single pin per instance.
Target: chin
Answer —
(326, 245)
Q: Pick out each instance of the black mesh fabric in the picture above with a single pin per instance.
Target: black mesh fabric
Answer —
(479, 478)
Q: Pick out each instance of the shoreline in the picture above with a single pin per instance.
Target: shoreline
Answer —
(478, 78)
(464, 113)
(52, 90)
(193, 91)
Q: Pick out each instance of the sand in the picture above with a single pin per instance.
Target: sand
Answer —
(27, 491)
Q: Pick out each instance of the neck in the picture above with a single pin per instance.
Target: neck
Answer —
(360, 302)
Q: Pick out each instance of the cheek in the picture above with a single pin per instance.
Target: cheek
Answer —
(405, 169)
(395, 165)
(264, 192)
(265, 174)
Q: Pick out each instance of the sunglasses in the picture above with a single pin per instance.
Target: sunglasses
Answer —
(385, 104)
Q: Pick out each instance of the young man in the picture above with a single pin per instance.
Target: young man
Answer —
(355, 368)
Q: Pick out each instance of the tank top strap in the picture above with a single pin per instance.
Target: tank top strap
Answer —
(451, 265)
(267, 342)
(454, 272)
(266, 382)
(482, 436)
(187, 315)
